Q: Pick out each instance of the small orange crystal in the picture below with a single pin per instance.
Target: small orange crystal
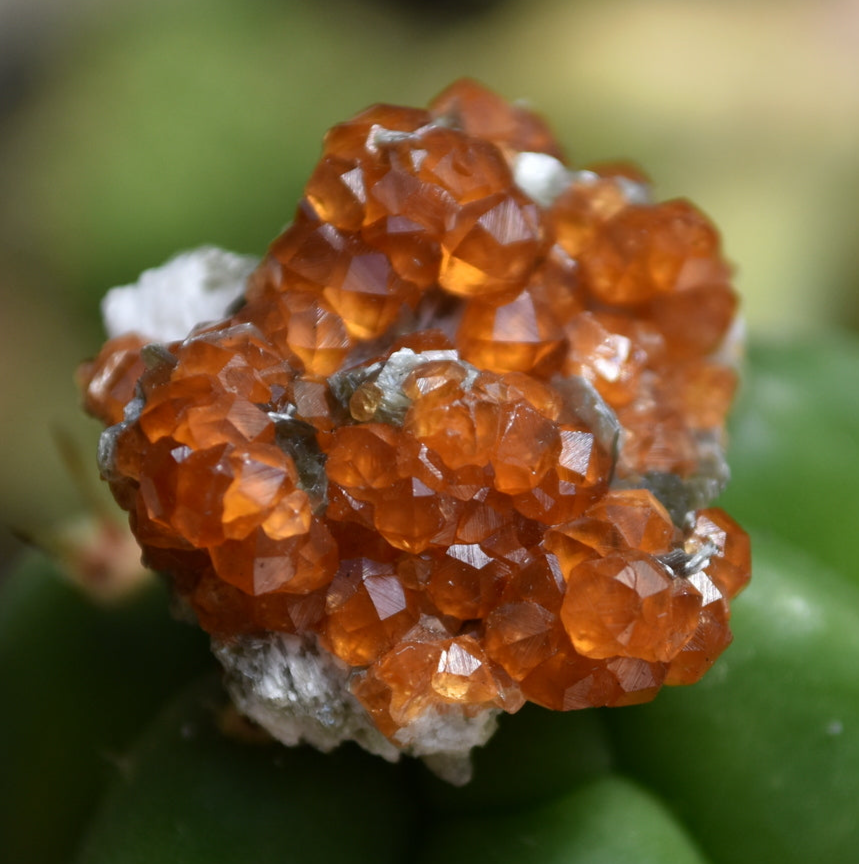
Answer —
(462, 433)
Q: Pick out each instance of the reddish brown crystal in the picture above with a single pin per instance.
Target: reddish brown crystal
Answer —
(441, 434)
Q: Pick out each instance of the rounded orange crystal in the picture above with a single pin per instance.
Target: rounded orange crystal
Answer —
(462, 434)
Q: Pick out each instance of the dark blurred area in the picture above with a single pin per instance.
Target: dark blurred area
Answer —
(132, 129)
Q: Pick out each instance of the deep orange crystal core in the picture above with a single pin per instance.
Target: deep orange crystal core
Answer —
(482, 542)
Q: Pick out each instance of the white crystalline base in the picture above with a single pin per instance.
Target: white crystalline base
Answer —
(299, 693)
(167, 302)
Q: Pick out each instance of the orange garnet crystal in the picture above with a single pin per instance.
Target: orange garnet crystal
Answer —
(449, 447)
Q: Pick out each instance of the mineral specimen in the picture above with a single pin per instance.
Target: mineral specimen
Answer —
(451, 445)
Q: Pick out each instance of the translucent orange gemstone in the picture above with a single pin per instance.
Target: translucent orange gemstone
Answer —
(554, 500)
(397, 688)
(463, 676)
(491, 246)
(401, 200)
(579, 478)
(695, 321)
(705, 392)
(656, 439)
(227, 419)
(369, 295)
(525, 631)
(578, 212)
(440, 377)
(624, 518)
(629, 606)
(108, 382)
(484, 514)
(516, 387)
(483, 114)
(610, 360)
(526, 450)
(581, 460)
(337, 192)
(259, 564)
(313, 402)
(468, 169)
(360, 137)
(242, 360)
(556, 288)
(363, 457)
(465, 582)
(645, 251)
(368, 610)
(711, 637)
(637, 680)
(225, 611)
(314, 332)
(521, 636)
(166, 406)
(522, 335)
(566, 681)
(460, 426)
(414, 252)
(412, 517)
(731, 561)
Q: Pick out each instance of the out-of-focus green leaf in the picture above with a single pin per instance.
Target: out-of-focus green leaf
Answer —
(77, 682)
(190, 794)
(794, 449)
(607, 821)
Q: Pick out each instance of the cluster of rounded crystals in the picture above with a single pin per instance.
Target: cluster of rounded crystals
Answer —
(454, 449)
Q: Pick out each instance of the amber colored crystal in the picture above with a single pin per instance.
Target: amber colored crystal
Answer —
(359, 137)
(454, 436)
(579, 212)
(109, 380)
(611, 360)
(260, 564)
(695, 321)
(303, 325)
(432, 671)
(524, 630)
(624, 519)
(460, 426)
(568, 681)
(710, 638)
(628, 605)
(483, 114)
(491, 246)
(643, 252)
(466, 582)
(522, 335)
(368, 610)
(730, 563)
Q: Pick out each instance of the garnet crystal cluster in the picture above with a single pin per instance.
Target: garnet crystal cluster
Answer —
(451, 444)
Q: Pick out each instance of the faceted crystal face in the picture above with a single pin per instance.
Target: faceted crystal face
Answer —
(461, 439)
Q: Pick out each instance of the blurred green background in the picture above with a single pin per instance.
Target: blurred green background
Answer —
(130, 129)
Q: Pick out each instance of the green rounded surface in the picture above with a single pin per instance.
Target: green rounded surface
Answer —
(535, 755)
(187, 793)
(793, 446)
(608, 821)
(760, 759)
(77, 683)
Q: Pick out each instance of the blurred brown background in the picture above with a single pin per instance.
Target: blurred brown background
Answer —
(130, 129)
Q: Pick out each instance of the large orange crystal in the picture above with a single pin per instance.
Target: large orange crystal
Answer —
(462, 433)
